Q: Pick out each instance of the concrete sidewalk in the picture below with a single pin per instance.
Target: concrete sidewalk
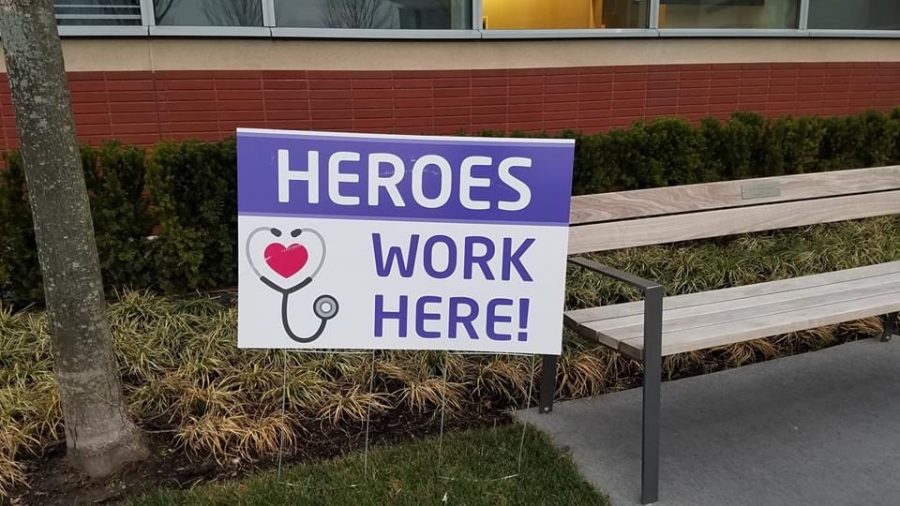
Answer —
(822, 428)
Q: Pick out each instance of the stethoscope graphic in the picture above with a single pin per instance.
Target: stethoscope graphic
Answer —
(325, 307)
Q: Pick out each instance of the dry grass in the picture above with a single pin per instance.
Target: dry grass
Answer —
(184, 375)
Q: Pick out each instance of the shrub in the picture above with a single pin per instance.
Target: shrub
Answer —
(193, 191)
(114, 177)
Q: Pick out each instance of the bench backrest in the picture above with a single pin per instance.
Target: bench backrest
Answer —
(618, 220)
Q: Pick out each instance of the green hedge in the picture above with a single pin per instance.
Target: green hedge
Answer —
(185, 192)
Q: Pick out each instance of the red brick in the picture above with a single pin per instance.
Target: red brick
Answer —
(628, 95)
(85, 76)
(627, 104)
(653, 86)
(451, 92)
(406, 84)
(454, 121)
(654, 112)
(330, 94)
(331, 114)
(149, 118)
(656, 100)
(694, 92)
(275, 95)
(412, 93)
(595, 105)
(370, 124)
(226, 95)
(184, 116)
(536, 80)
(683, 100)
(241, 105)
(138, 139)
(566, 97)
(130, 85)
(286, 114)
(238, 84)
(373, 113)
(89, 96)
(136, 128)
(92, 119)
(258, 115)
(413, 113)
(328, 84)
(629, 85)
(373, 103)
(90, 108)
(524, 99)
(489, 100)
(694, 83)
(86, 129)
(591, 88)
(187, 96)
(414, 121)
(131, 96)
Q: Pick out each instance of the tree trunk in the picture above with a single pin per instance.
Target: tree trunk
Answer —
(99, 436)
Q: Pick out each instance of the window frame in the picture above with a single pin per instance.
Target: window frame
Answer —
(270, 29)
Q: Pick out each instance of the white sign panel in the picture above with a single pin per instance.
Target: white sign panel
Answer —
(351, 241)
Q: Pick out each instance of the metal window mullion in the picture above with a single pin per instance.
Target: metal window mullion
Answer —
(477, 14)
(268, 12)
(654, 15)
(803, 22)
(148, 18)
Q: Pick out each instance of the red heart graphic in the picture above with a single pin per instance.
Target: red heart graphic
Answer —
(286, 261)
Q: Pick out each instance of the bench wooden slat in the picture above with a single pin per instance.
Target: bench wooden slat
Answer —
(581, 316)
(666, 229)
(710, 196)
(793, 298)
(674, 325)
(769, 325)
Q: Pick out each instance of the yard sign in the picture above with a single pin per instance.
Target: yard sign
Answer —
(359, 241)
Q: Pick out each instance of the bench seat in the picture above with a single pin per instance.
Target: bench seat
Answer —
(720, 317)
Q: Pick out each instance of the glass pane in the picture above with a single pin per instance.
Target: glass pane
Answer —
(208, 12)
(97, 12)
(565, 14)
(729, 13)
(385, 14)
(854, 14)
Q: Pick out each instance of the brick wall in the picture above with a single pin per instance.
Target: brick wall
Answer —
(145, 107)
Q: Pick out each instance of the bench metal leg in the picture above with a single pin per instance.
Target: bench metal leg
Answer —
(548, 383)
(652, 385)
(890, 328)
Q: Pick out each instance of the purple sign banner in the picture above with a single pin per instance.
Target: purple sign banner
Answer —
(364, 241)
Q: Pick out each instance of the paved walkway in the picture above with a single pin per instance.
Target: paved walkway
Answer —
(821, 428)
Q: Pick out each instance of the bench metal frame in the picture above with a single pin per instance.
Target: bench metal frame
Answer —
(652, 361)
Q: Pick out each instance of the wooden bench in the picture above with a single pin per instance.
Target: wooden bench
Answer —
(654, 327)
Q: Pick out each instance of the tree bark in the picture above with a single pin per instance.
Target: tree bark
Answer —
(100, 438)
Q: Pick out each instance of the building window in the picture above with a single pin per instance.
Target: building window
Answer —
(854, 14)
(377, 14)
(734, 14)
(97, 12)
(208, 12)
(565, 14)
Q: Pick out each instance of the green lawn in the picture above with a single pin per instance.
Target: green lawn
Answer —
(405, 475)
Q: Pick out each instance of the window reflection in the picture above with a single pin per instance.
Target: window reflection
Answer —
(729, 13)
(208, 12)
(380, 14)
(854, 14)
(97, 12)
(565, 14)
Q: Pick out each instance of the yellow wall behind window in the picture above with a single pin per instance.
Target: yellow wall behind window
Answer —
(542, 14)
